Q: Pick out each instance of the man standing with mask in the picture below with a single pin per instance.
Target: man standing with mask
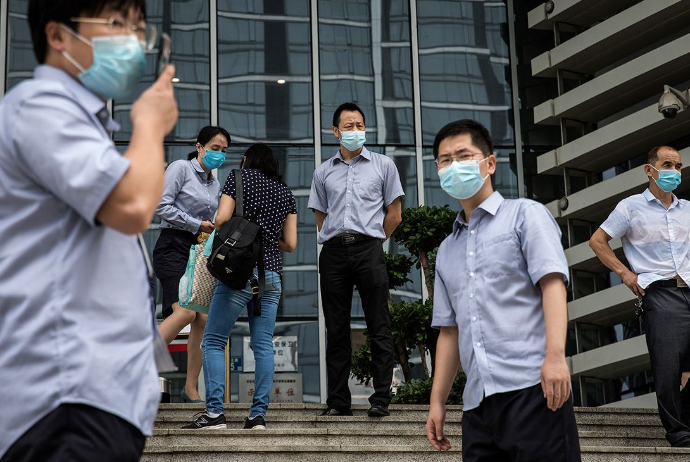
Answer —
(654, 228)
(76, 328)
(357, 198)
(500, 302)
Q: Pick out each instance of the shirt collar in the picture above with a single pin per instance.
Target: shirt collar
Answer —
(85, 98)
(339, 157)
(650, 197)
(197, 166)
(489, 205)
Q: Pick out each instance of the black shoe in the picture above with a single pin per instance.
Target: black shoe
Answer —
(255, 423)
(335, 412)
(206, 422)
(377, 410)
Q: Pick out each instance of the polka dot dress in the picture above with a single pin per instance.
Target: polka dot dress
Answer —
(266, 203)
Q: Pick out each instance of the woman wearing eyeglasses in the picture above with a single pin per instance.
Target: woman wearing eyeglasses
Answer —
(189, 202)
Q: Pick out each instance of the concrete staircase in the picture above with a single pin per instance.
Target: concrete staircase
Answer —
(296, 433)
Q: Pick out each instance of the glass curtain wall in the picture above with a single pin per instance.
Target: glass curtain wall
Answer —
(264, 87)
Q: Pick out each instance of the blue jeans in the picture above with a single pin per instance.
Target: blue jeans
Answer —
(226, 306)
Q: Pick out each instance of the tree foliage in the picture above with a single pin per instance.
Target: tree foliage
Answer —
(424, 228)
(418, 391)
(398, 267)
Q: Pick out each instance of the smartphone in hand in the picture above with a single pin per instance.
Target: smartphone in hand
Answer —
(164, 50)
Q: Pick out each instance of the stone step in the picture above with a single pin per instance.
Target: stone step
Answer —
(627, 454)
(352, 437)
(402, 417)
(379, 453)
(307, 412)
(363, 423)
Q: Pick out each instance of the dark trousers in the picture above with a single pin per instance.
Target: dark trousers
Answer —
(667, 326)
(518, 427)
(76, 433)
(343, 267)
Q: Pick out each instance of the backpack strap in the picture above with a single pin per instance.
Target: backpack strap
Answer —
(239, 197)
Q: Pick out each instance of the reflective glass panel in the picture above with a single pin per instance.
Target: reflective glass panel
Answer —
(463, 61)
(20, 55)
(365, 58)
(187, 22)
(264, 70)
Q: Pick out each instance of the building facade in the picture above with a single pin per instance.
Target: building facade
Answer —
(596, 73)
(570, 109)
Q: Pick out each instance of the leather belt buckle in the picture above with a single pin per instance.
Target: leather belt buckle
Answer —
(348, 239)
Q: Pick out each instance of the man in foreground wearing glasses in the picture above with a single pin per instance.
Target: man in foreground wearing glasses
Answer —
(76, 329)
(500, 302)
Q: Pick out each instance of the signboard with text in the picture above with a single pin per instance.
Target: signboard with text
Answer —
(284, 354)
(287, 388)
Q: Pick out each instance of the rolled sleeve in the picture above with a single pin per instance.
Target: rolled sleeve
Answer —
(73, 160)
(392, 187)
(318, 199)
(443, 315)
(166, 210)
(617, 224)
(541, 245)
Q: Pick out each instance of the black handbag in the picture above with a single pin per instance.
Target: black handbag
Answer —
(237, 250)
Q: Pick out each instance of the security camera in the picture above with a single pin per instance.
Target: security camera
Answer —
(669, 105)
(672, 101)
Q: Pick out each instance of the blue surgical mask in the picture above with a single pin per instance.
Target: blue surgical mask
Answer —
(462, 180)
(213, 159)
(668, 179)
(118, 65)
(352, 141)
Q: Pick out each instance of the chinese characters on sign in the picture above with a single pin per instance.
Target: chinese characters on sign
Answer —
(284, 354)
(287, 388)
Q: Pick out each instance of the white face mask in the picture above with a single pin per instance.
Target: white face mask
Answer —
(462, 179)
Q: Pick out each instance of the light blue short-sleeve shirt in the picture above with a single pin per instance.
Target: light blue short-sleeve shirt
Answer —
(189, 196)
(656, 240)
(487, 274)
(354, 194)
(75, 319)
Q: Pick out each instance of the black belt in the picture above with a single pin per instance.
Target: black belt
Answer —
(669, 283)
(347, 239)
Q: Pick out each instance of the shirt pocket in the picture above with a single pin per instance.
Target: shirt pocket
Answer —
(502, 255)
(369, 189)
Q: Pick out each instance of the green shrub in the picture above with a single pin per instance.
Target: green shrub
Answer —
(418, 391)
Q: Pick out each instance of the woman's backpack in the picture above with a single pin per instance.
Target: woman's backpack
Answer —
(237, 250)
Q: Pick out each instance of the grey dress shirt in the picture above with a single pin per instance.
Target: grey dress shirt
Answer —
(486, 284)
(75, 320)
(189, 196)
(353, 194)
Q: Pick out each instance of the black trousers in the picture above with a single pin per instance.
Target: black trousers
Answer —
(342, 267)
(667, 326)
(76, 433)
(518, 427)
